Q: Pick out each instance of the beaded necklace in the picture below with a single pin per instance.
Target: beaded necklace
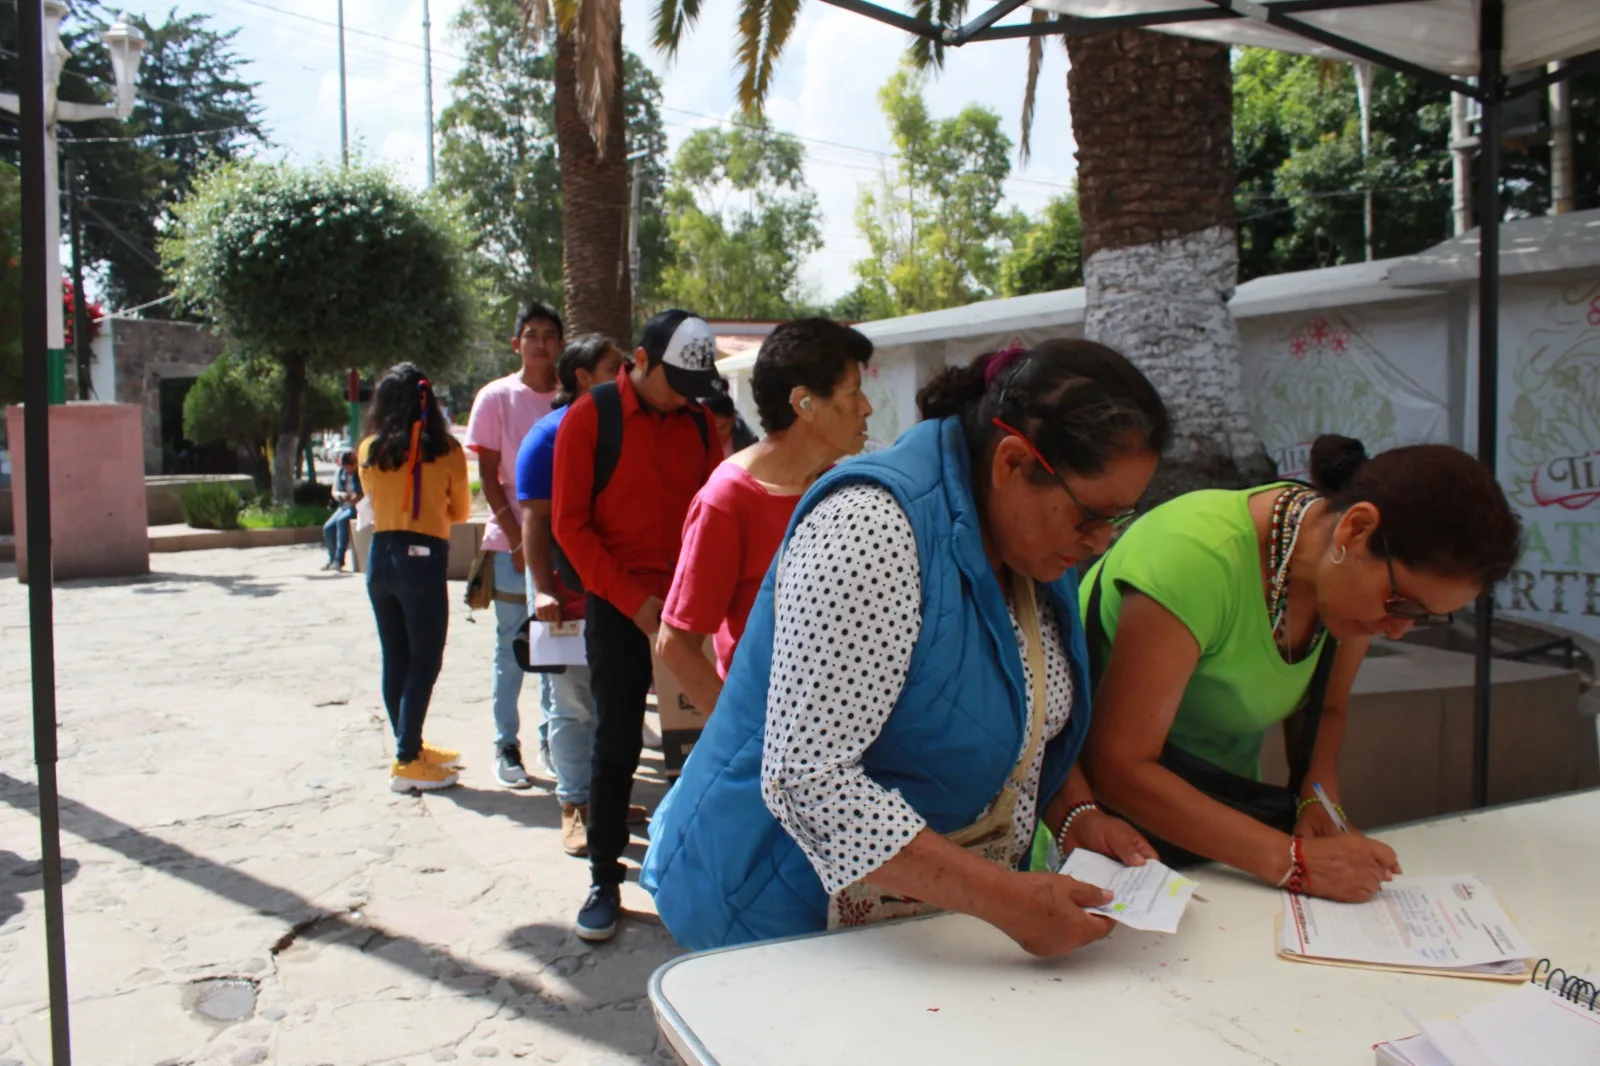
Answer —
(1287, 514)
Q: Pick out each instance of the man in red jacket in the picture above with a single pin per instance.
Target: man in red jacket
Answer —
(622, 535)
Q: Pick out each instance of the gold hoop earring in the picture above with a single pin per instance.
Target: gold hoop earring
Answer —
(1338, 556)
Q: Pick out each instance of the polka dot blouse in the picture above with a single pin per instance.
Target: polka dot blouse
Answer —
(849, 612)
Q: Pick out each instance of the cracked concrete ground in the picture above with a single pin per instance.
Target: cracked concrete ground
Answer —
(242, 887)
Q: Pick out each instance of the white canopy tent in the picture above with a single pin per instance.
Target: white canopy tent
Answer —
(1441, 42)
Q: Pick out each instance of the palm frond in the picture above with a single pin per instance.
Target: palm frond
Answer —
(596, 29)
(926, 53)
(1030, 94)
(764, 29)
(674, 19)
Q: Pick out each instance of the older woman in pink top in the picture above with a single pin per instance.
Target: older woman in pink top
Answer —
(807, 386)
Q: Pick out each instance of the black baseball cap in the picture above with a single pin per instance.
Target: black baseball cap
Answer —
(686, 348)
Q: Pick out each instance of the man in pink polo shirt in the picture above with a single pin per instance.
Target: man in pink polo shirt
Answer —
(502, 414)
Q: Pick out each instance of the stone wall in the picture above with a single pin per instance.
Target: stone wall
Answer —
(148, 352)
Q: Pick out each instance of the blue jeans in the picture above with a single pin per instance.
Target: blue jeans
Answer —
(569, 715)
(406, 584)
(336, 533)
(508, 618)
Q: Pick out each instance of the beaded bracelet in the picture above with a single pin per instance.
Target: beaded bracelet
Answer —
(1296, 880)
(1061, 834)
(1312, 801)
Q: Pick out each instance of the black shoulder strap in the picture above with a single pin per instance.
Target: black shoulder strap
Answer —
(608, 439)
(1316, 696)
(699, 415)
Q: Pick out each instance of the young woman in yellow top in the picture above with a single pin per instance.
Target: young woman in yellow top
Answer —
(415, 473)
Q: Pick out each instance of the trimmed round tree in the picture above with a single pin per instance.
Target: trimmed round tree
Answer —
(321, 270)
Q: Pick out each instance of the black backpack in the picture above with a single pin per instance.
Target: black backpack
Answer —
(607, 450)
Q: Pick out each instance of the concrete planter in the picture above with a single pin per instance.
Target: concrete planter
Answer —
(190, 540)
(161, 492)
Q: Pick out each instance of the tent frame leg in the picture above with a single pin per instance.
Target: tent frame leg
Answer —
(1490, 83)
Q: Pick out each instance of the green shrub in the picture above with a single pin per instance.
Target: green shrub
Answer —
(297, 516)
(476, 487)
(209, 505)
(313, 494)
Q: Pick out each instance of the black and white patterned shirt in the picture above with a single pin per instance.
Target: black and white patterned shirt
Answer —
(849, 613)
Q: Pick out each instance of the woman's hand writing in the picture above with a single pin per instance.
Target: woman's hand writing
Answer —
(1347, 867)
(1044, 913)
(1111, 836)
(1315, 821)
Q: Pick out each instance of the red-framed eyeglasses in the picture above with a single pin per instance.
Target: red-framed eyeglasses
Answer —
(1092, 519)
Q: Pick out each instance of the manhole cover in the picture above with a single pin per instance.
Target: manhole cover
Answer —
(224, 999)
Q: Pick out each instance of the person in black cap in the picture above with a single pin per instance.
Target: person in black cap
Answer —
(629, 459)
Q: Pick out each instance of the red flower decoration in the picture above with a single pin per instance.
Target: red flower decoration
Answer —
(1594, 311)
(94, 310)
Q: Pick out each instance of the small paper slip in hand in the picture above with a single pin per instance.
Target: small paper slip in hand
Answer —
(1151, 897)
(1441, 925)
(561, 644)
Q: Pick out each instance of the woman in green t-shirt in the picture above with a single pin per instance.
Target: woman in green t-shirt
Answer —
(1217, 607)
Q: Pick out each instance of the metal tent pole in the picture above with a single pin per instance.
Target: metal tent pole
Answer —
(38, 289)
(1490, 36)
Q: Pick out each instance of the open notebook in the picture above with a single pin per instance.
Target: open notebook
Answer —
(1449, 926)
(1552, 1021)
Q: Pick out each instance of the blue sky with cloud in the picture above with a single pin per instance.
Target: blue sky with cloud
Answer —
(824, 92)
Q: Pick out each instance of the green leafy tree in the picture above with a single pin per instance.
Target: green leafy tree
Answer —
(498, 158)
(318, 270)
(933, 222)
(193, 109)
(1303, 179)
(1046, 253)
(742, 222)
(238, 401)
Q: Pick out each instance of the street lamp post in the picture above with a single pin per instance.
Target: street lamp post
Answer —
(127, 49)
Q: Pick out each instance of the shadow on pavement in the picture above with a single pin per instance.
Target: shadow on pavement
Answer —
(308, 922)
(19, 875)
(151, 584)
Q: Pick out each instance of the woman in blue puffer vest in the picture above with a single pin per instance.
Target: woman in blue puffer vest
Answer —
(910, 695)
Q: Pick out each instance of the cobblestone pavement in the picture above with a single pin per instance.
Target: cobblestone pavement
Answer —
(242, 885)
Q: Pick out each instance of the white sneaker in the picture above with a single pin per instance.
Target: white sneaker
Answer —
(508, 769)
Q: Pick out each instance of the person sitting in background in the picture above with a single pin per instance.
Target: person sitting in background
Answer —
(556, 597)
(417, 477)
(807, 387)
(346, 494)
(1216, 613)
(620, 526)
(910, 694)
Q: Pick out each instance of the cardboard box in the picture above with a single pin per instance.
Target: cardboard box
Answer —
(681, 721)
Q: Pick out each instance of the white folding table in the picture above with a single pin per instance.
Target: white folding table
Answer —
(951, 989)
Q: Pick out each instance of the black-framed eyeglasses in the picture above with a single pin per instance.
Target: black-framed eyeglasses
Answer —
(1092, 519)
(1405, 608)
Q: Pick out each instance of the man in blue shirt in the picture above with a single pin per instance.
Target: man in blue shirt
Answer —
(565, 697)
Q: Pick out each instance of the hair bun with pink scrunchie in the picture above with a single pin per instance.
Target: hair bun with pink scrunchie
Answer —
(1000, 360)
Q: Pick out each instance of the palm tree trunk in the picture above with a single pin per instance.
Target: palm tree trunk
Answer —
(1153, 118)
(594, 202)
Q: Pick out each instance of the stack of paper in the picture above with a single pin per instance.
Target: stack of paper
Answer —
(1442, 925)
(1151, 897)
(1528, 1027)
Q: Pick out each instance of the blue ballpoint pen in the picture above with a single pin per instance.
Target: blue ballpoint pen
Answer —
(1327, 805)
